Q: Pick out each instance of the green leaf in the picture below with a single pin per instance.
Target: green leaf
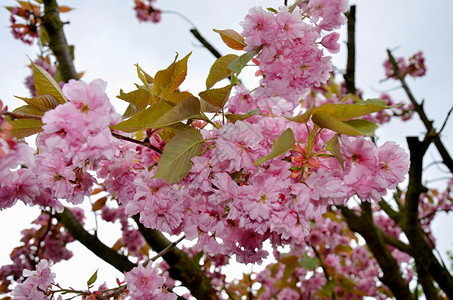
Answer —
(25, 127)
(220, 70)
(239, 63)
(169, 132)
(144, 118)
(328, 289)
(175, 162)
(217, 97)
(232, 39)
(172, 77)
(365, 127)
(235, 117)
(41, 103)
(206, 107)
(28, 110)
(303, 118)
(130, 110)
(189, 108)
(284, 143)
(351, 127)
(140, 98)
(93, 278)
(45, 84)
(309, 263)
(144, 78)
(350, 111)
(176, 97)
(333, 146)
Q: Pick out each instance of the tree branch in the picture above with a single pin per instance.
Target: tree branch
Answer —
(120, 262)
(422, 251)
(363, 224)
(205, 43)
(57, 40)
(143, 143)
(349, 76)
(447, 160)
(182, 267)
(393, 214)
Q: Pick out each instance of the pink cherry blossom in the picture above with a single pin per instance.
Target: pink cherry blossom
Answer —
(144, 283)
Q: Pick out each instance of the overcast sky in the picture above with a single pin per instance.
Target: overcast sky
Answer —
(109, 40)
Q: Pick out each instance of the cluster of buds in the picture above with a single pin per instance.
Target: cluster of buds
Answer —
(5, 130)
(415, 66)
(146, 12)
(28, 30)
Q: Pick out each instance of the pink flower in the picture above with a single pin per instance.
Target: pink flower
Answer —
(36, 284)
(393, 164)
(144, 283)
(258, 27)
(330, 42)
(238, 146)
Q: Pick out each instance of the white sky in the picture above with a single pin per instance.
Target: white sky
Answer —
(109, 41)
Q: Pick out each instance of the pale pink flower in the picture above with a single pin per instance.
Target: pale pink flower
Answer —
(238, 146)
(330, 42)
(259, 27)
(36, 284)
(144, 283)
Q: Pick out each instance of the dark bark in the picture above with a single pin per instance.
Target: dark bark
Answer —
(120, 262)
(422, 251)
(349, 76)
(392, 277)
(425, 280)
(58, 44)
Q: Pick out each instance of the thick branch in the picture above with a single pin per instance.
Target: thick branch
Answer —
(410, 224)
(349, 76)
(57, 43)
(182, 267)
(426, 282)
(392, 277)
(446, 158)
(90, 241)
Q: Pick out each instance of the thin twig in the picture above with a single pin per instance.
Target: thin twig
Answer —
(418, 107)
(165, 251)
(445, 121)
(143, 143)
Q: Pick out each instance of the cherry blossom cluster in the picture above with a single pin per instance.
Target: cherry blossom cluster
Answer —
(146, 12)
(47, 240)
(146, 283)
(233, 206)
(228, 203)
(339, 269)
(290, 58)
(27, 31)
(37, 284)
(75, 137)
(414, 67)
(7, 141)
